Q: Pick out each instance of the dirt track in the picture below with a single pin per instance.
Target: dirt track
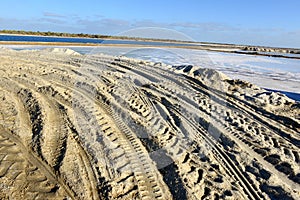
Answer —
(103, 127)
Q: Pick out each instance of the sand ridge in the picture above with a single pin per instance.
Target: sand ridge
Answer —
(105, 127)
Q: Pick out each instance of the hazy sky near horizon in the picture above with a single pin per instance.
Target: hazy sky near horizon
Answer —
(257, 22)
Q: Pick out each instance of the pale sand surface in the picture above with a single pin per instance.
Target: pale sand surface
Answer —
(229, 48)
(104, 127)
(267, 72)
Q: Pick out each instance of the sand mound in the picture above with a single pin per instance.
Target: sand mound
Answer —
(61, 51)
(104, 127)
(273, 102)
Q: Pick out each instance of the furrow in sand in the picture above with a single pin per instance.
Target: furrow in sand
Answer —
(56, 141)
(91, 113)
(252, 190)
(54, 136)
(242, 119)
(106, 127)
(252, 120)
(245, 180)
(205, 137)
(140, 163)
(53, 145)
(32, 172)
(244, 108)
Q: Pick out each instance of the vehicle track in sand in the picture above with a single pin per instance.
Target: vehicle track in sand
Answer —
(204, 135)
(105, 127)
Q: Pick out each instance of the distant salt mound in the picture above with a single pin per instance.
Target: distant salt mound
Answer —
(210, 74)
(209, 77)
(61, 51)
(251, 92)
(277, 103)
(273, 102)
(202, 73)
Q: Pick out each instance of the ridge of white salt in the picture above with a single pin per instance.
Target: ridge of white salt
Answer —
(61, 51)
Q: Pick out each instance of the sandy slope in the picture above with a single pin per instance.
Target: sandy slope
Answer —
(104, 127)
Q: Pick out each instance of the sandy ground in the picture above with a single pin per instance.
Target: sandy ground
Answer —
(105, 127)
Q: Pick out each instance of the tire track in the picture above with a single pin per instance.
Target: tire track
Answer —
(253, 191)
(53, 149)
(105, 127)
(108, 130)
(238, 115)
(149, 183)
(32, 178)
(249, 189)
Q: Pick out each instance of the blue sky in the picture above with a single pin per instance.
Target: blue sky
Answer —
(257, 22)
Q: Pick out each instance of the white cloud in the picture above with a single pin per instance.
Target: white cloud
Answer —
(55, 15)
(52, 20)
(202, 31)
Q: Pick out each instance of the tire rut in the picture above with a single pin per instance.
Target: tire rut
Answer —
(106, 127)
(31, 178)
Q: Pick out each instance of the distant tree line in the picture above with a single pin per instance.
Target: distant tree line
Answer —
(50, 33)
(84, 35)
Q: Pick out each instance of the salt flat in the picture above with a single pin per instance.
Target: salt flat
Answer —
(99, 126)
(267, 72)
